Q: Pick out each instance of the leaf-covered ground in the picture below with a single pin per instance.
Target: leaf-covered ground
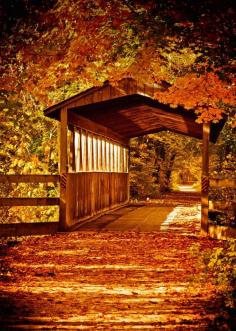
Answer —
(111, 280)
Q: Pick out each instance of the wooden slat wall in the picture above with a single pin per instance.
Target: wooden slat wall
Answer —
(93, 192)
(126, 86)
(88, 125)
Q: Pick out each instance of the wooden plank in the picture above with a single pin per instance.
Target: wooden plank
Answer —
(138, 133)
(92, 154)
(81, 150)
(93, 192)
(127, 121)
(87, 151)
(205, 179)
(71, 201)
(29, 202)
(74, 100)
(105, 155)
(94, 94)
(71, 149)
(127, 183)
(26, 229)
(146, 117)
(220, 183)
(63, 203)
(116, 92)
(29, 179)
(63, 142)
(87, 124)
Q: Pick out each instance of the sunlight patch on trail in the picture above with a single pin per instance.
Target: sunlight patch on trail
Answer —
(182, 215)
(72, 287)
(98, 266)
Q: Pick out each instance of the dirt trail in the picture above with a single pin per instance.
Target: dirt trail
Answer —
(109, 280)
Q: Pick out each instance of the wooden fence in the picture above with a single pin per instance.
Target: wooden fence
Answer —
(218, 184)
(18, 229)
(219, 231)
(222, 182)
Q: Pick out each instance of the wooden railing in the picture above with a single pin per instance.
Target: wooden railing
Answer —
(17, 229)
(219, 231)
(218, 184)
(7, 179)
(222, 182)
(29, 178)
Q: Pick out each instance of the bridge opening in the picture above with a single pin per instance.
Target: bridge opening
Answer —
(162, 163)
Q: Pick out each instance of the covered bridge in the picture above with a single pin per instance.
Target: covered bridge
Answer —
(95, 129)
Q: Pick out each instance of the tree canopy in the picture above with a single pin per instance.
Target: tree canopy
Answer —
(53, 49)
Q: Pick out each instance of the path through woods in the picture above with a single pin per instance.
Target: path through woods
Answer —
(110, 280)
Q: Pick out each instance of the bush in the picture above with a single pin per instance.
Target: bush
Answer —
(220, 266)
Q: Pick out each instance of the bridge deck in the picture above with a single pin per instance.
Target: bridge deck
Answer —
(131, 218)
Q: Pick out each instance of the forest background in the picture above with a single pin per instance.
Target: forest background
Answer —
(51, 50)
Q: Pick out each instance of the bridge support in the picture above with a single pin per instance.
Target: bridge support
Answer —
(205, 179)
(63, 169)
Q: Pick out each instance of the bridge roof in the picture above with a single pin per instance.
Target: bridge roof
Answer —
(129, 109)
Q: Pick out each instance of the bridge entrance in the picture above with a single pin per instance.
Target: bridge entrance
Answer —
(95, 129)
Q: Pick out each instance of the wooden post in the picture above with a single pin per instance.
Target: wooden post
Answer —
(72, 150)
(63, 169)
(205, 178)
(81, 151)
(92, 152)
(128, 177)
(87, 150)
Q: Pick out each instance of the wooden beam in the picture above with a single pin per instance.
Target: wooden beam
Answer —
(87, 152)
(63, 141)
(138, 133)
(143, 117)
(205, 179)
(28, 202)
(96, 128)
(29, 178)
(71, 148)
(81, 150)
(63, 203)
(54, 110)
(63, 168)
(26, 229)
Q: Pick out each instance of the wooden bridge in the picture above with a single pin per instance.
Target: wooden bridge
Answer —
(95, 128)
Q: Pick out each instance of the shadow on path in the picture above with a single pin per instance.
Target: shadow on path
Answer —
(140, 218)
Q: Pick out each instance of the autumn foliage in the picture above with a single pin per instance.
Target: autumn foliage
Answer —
(206, 94)
(67, 46)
